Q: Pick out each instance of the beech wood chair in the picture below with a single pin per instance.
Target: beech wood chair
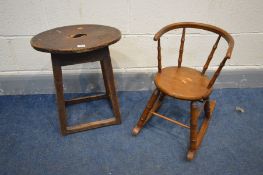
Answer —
(186, 83)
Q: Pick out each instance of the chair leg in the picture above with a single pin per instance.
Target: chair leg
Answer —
(193, 131)
(145, 113)
(155, 107)
(196, 136)
(207, 109)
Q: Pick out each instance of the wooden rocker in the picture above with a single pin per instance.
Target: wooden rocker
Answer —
(186, 84)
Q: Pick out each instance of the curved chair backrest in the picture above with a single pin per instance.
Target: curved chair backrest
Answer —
(207, 27)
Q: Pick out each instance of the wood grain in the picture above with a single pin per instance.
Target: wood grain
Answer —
(75, 38)
(183, 83)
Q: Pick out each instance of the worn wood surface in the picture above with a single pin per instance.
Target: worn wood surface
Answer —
(108, 77)
(75, 38)
(103, 56)
(183, 83)
(77, 44)
(58, 82)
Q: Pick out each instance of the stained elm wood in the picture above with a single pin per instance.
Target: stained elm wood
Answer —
(186, 83)
(78, 44)
(183, 83)
(75, 38)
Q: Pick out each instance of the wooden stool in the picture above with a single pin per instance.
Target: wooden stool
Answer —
(186, 83)
(74, 45)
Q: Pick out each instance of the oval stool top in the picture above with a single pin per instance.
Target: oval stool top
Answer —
(75, 38)
(183, 83)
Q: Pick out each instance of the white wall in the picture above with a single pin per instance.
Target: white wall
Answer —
(138, 21)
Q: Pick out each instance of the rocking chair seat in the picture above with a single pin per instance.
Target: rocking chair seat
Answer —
(183, 83)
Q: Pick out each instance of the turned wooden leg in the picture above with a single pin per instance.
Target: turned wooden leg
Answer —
(207, 109)
(196, 136)
(193, 131)
(141, 122)
(110, 86)
(155, 107)
(58, 81)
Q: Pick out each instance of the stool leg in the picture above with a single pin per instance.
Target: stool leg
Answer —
(104, 79)
(110, 85)
(58, 81)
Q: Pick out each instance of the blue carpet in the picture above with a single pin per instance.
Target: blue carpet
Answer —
(30, 142)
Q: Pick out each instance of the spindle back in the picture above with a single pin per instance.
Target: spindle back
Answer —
(184, 25)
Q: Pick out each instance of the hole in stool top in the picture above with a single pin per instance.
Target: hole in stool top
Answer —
(66, 39)
(78, 35)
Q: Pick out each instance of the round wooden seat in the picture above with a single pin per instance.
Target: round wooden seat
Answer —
(183, 83)
(76, 39)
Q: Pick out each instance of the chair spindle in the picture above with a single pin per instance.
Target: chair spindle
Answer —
(159, 56)
(211, 55)
(181, 48)
(212, 81)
